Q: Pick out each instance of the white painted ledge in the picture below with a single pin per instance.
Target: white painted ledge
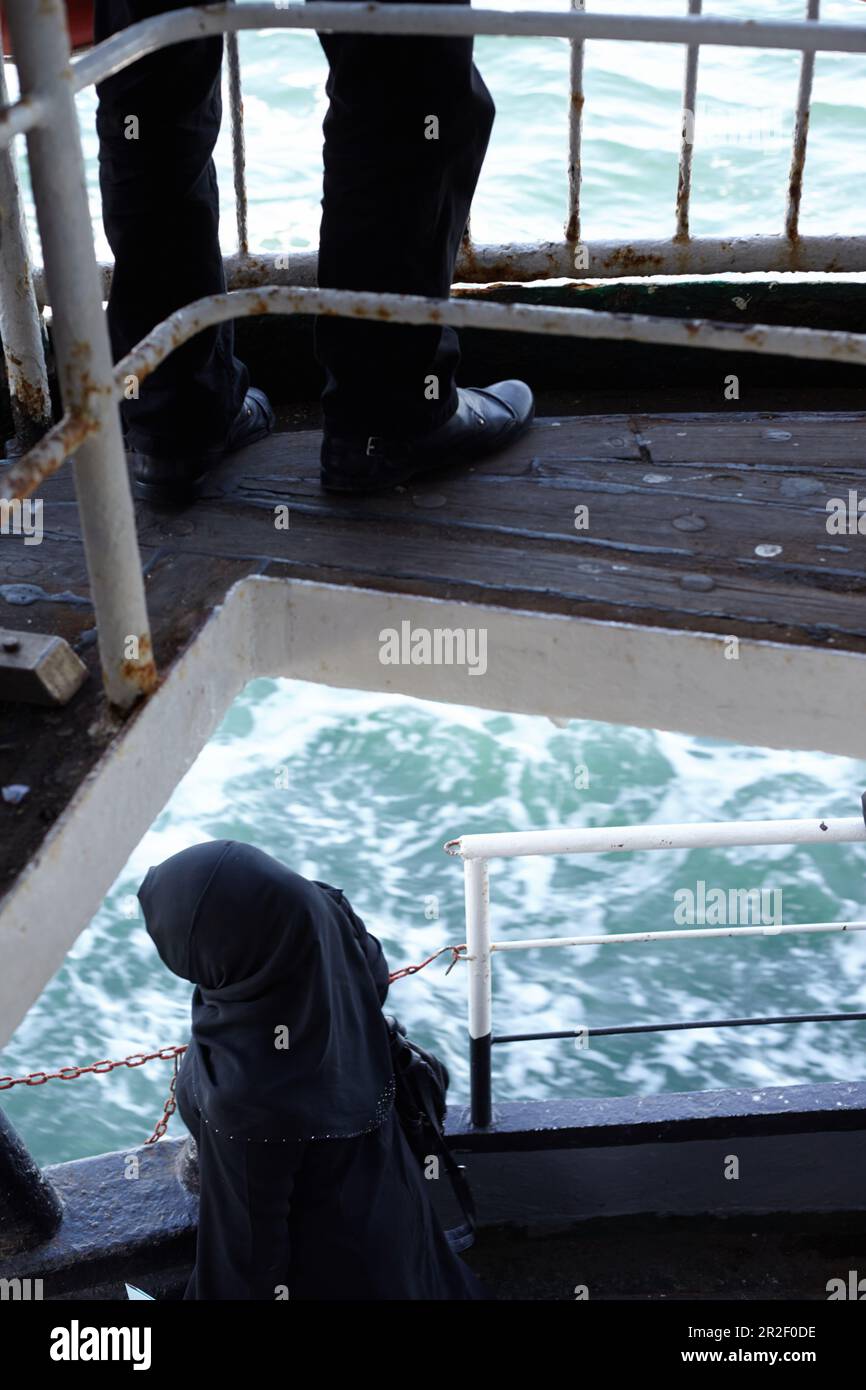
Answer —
(772, 696)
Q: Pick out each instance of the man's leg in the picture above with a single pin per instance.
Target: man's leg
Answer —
(405, 136)
(158, 123)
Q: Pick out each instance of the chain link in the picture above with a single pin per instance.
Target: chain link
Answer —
(457, 953)
(174, 1053)
(170, 1105)
(135, 1059)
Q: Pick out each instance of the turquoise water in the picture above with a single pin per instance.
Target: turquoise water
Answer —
(363, 790)
(377, 784)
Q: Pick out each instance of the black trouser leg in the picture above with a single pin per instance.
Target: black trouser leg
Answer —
(396, 203)
(158, 122)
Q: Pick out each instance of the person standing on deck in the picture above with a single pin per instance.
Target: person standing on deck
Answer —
(405, 135)
(308, 1187)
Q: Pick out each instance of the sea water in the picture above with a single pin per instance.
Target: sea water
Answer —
(363, 790)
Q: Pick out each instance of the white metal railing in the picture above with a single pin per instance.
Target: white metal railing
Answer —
(477, 850)
(46, 111)
(680, 254)
(91, 387)
(46, 457)
(20, 320)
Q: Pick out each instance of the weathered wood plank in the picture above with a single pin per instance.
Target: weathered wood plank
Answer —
(715, 521)
(674, 523)
(825, 441)
(404, 554)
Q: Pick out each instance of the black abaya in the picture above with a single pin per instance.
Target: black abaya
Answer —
(308, 1187)
(330, 1220)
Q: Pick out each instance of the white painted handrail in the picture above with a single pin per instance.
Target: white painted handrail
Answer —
(477, 850)
(702, 835)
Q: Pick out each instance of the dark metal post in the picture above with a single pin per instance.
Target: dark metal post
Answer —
(477, 890)
(480, 1081)
(30, 1209)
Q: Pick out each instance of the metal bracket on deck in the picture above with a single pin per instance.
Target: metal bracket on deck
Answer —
(38, 668)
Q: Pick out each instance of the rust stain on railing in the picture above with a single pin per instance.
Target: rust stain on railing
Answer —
(141, 673)
(801, 136)
(24, 475)
(627, 261)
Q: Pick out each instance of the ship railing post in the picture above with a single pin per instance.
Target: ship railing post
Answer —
(239, 156)
(40, 41)
(20, 320)
(30, 1209)
(480, 983)
(687, 134)
(801, 133)
(575, 129)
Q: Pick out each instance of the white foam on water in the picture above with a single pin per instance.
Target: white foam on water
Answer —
(375, 785)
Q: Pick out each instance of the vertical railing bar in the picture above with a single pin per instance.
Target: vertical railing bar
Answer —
(687, 143)
(801, 133)
(466, 239)
(480, 987)
(40, 40)
(20, 320)
(239, 158)
(575, 132)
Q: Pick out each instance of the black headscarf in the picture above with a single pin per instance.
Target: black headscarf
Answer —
(269, 951)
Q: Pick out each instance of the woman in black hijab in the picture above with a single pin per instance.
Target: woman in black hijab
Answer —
(308, 1187)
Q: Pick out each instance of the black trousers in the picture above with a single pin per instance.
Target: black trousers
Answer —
(404, 138)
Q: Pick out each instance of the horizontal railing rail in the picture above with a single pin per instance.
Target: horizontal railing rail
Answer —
(480, 263)
(681, 1026)
(22, 477)
(355, 18)
(476, 851)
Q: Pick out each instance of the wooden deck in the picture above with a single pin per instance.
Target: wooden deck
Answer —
(709, 523)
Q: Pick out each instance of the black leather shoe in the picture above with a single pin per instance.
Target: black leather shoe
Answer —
(485, 422)
(176, 481)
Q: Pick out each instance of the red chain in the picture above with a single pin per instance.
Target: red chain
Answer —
(456, 954)
(170, 1104)
(173, 1054)
(135, 1059)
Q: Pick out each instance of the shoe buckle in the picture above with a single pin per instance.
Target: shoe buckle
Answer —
(374, 446)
